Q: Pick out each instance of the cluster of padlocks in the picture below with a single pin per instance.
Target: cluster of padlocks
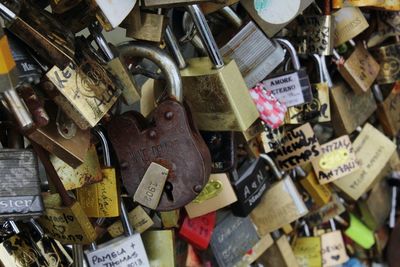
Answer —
(196, 133)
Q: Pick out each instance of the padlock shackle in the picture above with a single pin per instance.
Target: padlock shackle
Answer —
(95, 31)
(318, 60)
(187, 22)
(231, 16)
(173, 46)
(206, 35)
(327, 76)
(160, 58)
(7, 13)
(127, 226)
(376, 90)
(14, 226)
(292, 52)
(77, 255)
(104, 145)
(37, 227)
(277, 173)
(327, 7)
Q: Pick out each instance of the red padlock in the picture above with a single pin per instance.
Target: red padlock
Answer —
(198, 231)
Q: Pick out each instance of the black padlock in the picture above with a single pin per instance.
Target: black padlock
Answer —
(222, 149)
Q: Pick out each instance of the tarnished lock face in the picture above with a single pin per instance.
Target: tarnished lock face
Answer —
(167, 137)
(17, 250)
(349, 23)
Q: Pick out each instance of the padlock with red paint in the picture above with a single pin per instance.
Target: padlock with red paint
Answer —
(198, 231)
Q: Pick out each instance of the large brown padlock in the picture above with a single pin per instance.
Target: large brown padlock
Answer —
(167, 137)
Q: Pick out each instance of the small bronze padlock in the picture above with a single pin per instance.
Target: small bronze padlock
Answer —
(138, 143)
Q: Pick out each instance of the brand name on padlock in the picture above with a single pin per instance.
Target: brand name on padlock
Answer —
(20, 204)
(145, 155)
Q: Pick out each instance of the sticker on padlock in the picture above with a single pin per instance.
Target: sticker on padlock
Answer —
(337, 160)
(293, 87)
(373, 149)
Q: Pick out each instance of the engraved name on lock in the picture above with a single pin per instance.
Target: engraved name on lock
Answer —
(157, 151)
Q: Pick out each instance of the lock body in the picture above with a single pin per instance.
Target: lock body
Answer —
(222, 149)
(388, 58)
(20, 188)
(216, 102)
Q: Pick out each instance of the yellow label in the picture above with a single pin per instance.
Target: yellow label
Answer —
(7, 62)
(212, 189)
(334, 159)
(100, 199)
(308, 251)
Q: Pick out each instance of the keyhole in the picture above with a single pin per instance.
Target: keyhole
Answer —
(168, 191)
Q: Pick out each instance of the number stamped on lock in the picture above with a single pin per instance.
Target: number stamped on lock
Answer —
(151, 187)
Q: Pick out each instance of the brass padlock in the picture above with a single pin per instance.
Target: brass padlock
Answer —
(63, 219)
(350, 22)
(160, 247)
(145, 26)
(388, 109)
(116, 67)
(217, 93)
(388, 58)
(101, 199)
(359, 70)
(42, 32)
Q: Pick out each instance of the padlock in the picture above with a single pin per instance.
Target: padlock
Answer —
(320, 193)
(171, 3)
(17, 250)
(42, 32)
(172, 131)
(332, 247)
(116, 67)
(280, 205)
(111, 13)
(139, 220)
(232, 238)
(89, 87)
(28, 70)
(318, 110)
(297, 146)
(79, 17)
(349, 22)
(126, 250)
(260, 62)
(387, 111)
(9, 82)
(375, 208)
(35, 105)
(216, 91)
(217, 194)
(373, 158)
(388, 58)
(63, 219)
(256, 251)
(170, 219)
(51, 249)
(20, 191)
(198, 231)
(87, 173)
(356, 230)
(62, 137)
(160, 247)
(222, 149)
(349, 110)
(337, 160)
(274, 15)
(290, 88)
(145, 26)
(101, 199)
(359, 70)
(250, 183)
(318, 31)
(280, 253)
(307, 249)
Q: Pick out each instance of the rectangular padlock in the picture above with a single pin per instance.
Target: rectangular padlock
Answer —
(20, 194)
(160, 247)
(388, 58)
(198, 231)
